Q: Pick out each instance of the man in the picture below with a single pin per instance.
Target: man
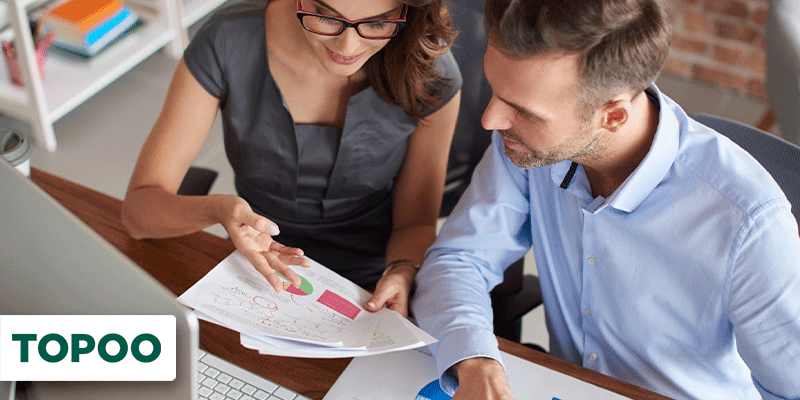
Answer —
(668, 257)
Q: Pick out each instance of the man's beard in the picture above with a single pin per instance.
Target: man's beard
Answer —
(535, 158)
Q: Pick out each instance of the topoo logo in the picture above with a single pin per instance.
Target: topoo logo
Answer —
(77, 349)
(87, 347)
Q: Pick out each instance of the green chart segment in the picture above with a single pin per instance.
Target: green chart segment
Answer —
(305, 288)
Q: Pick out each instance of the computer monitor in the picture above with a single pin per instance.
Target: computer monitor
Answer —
(51, 263)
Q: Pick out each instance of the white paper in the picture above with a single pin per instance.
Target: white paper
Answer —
(401, 376)
(239, 297)
(393, 333)
(323, 318)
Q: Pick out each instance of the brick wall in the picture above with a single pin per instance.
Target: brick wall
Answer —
(719, 42)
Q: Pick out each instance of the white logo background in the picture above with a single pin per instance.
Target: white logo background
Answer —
(91, 367)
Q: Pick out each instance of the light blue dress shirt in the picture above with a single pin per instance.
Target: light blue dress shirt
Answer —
(685, 281)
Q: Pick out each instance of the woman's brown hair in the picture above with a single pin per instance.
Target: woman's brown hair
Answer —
(403, 72)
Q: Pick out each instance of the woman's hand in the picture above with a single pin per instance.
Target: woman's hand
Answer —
(393, 290)
(252, 235)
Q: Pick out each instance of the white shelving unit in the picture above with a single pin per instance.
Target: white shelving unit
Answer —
(70, 80)
(194, 10)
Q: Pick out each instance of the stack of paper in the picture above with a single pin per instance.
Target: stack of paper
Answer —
(87, 26)
(323, 318)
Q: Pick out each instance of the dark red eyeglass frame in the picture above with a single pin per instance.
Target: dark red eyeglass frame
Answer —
(346, 23)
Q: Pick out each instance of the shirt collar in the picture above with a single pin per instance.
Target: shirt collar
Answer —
(647, 175)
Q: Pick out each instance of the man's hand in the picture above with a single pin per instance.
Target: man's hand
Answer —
(481, 378)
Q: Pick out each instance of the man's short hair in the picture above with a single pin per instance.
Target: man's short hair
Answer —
(623, 43)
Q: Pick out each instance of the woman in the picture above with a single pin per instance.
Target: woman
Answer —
(337, 115)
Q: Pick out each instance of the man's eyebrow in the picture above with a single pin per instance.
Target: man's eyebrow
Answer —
(338, 14)
(520, 109)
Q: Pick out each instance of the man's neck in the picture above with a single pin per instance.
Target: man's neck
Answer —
(627, 148)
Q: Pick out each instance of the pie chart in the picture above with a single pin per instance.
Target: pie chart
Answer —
(305, 288)
(432, 391)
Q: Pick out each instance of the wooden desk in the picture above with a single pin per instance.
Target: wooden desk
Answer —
(180, 262)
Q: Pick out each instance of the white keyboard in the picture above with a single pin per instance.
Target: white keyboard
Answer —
(220, 380)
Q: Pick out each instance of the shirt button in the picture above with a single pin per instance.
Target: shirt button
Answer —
(587, 311)
(591, 261)
(592, 357)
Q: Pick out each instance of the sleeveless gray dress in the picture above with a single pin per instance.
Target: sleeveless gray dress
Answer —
(328, 189)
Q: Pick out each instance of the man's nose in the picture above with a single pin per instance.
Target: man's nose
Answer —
(495, 117)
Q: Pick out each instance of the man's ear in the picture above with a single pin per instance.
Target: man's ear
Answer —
(615, 114)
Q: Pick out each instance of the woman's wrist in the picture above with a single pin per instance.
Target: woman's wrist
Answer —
(222, 208)
(214, 208)
(411, 264)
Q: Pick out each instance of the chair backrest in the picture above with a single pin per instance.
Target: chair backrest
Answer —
(783, 65)
(779, 157)
(470, 139)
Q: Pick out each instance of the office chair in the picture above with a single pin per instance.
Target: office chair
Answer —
(518, 293)
(470, 139)
(783, 66)
(197, 181)
(778, 156)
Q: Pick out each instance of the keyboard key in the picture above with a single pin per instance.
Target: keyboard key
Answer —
(222, 388)
(204, 391)
(210, 382)
(201, 367)
(266, 386)
(236, 384)
(249, 389)
(261, 395)
(246, 397)
(212, 372)
(284, 394)
(234, 394)
(224, 378)
(216, 396)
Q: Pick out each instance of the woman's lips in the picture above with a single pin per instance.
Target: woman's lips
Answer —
(344, 60)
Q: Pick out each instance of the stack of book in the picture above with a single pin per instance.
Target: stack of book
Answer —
(87, 26)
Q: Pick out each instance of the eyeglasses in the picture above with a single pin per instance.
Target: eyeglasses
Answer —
(366, 28)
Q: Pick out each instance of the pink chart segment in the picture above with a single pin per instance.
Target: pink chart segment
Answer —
(339, 304)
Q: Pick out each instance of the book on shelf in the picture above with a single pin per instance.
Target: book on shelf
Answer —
(81, 16)
(87, 26)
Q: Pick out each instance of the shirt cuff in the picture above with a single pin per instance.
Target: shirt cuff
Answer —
(460, 345)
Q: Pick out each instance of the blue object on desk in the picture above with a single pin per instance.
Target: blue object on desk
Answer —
(432, 391)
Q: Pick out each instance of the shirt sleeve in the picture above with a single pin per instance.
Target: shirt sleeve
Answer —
(448, 69)
(487, 231)
(763, 300)
(204, 57)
